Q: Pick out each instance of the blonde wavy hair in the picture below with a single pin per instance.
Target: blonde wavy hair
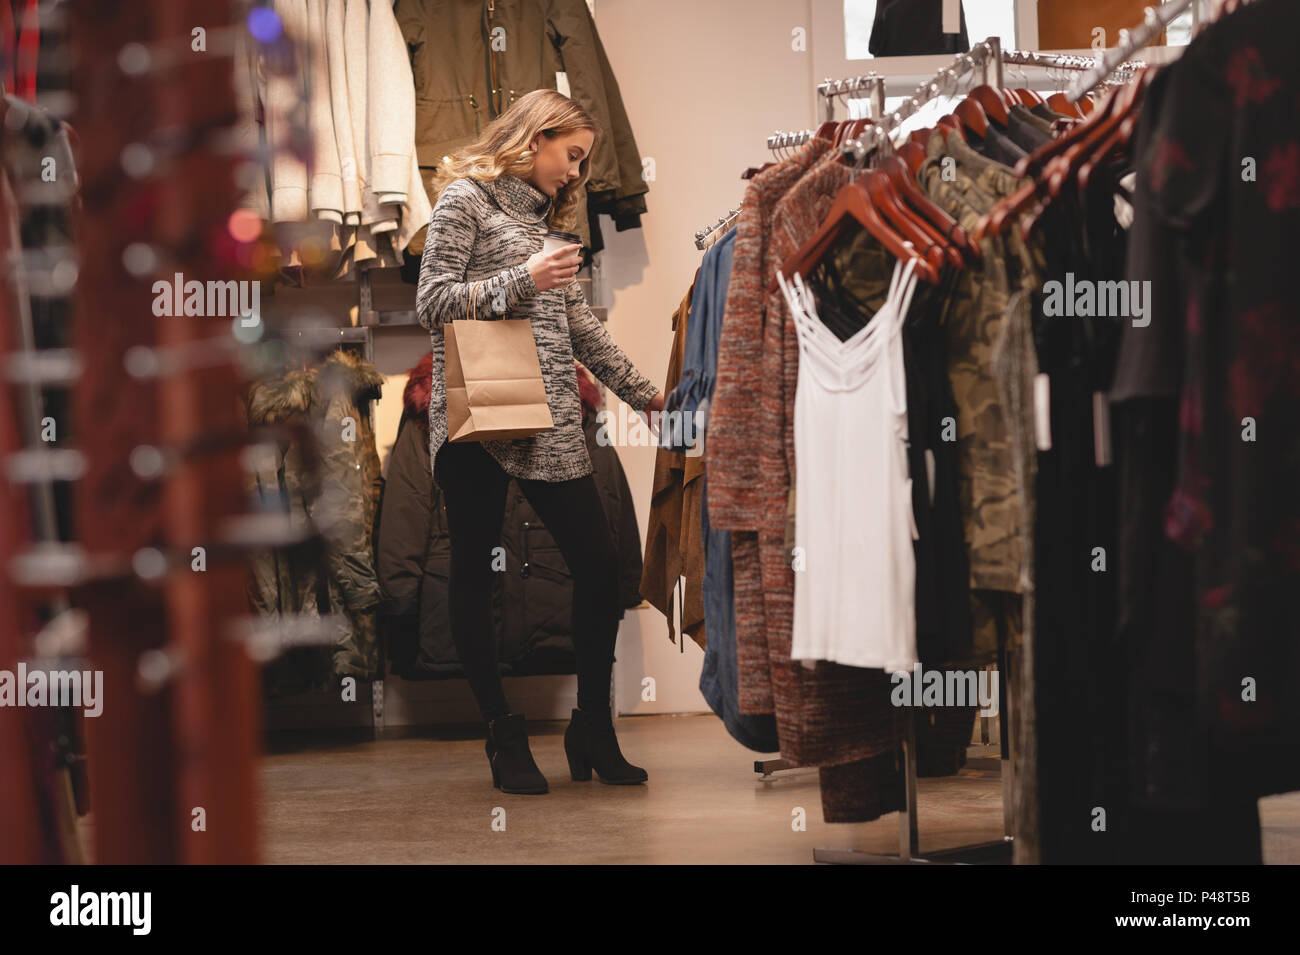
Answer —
(504, 149)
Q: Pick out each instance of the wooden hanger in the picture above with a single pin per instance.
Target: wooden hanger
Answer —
(1035, 161)
(1059, 162)
(851, 129)
(932, 246)
(852, 205)
(1028, 195)
(1062, 104)
(827, 130)
(972, 117)
(992, 104)
(1120, 106)
(1127, 109)
(904, 181)
(951, 122)
(913, 153)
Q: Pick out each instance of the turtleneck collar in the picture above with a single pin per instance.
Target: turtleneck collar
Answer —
(518, 197)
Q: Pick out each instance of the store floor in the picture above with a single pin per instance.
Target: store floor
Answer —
(430, 800)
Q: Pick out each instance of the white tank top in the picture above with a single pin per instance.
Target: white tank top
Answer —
(855, 570)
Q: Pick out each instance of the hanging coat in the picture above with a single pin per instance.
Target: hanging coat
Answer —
(461, 51)
(336, 499)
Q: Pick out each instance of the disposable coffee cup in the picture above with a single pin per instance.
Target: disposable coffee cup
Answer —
(558, 240)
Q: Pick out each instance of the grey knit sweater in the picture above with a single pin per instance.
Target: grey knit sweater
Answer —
(485, 232)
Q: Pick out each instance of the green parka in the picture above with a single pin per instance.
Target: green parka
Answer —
(472, 58)
(339, 501)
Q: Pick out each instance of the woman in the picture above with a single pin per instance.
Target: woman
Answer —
(495, 200)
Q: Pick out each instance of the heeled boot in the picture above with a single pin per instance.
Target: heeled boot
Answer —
(513, 767)
(590, 743)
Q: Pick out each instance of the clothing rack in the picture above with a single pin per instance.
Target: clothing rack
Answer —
(1061, 61)
(982, 56)
(985, 55)
(1154, 21)
(783, 140)
(707, 236)
(828, 89)
(873, 82)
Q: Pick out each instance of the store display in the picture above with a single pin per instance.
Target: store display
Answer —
(348, 158)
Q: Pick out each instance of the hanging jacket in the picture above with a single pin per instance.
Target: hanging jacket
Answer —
(674, 547)
(360, 170)
(532, 601)
(339, 503)
(473, 58)
(915, 28)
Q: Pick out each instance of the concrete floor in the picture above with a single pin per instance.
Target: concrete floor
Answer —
(430, 800)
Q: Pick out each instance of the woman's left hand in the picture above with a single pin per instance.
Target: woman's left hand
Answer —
(656, 403)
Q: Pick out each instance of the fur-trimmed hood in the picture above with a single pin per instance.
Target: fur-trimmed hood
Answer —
(295, 393)
(419, 389)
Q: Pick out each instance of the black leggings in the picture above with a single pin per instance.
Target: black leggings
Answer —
(474, 487)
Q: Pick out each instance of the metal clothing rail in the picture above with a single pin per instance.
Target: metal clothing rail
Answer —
(830, 89)
(1154, 21)
(715, 231)
(1063, 61)
(982, 56)
(784, 140)
(997, 851)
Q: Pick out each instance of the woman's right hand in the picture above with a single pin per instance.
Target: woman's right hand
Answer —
(556, 268)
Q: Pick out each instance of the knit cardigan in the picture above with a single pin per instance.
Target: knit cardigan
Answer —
(484, 232)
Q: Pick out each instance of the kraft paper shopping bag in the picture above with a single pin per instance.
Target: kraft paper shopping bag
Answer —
(495, 390)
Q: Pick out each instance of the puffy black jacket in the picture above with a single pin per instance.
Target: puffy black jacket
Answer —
(532, 600)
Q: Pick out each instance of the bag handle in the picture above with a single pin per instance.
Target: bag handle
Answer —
(473, 305)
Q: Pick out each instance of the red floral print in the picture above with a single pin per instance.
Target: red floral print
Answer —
(1267, 365)
(1169, 155)
(1248, 78)
(1282, 177)
(1216, 597)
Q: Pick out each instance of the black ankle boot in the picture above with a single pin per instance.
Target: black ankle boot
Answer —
(513, 768)
(590, 743)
